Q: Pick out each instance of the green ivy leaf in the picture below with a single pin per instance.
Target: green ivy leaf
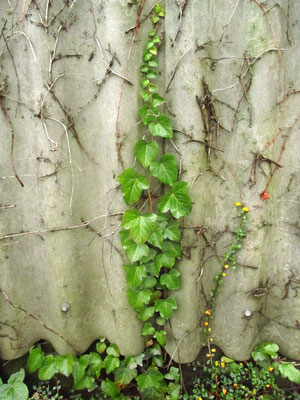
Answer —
(139, 298)
(147, 56)
(48, 370)
(100, 347)
(64, 364)
(165, 307)
(171, 280)
(156, 39)
(148, 329)
(124, 375)
(174, 391)
(86, 383)
(172, 231)
(145, 114)
(166, 169)
(151, 74)
(144, 68)
(135, 275)
(156, 238)
(289, 371)
(149, 45)
(153, 50)
(173, 374)
(134, 251)
(152, 32)
(160, 11)
(146, 313)
(145, 152)
(140, 226)
(149, 282)
(172, 248)
(36, 359)
(160, 336)
(110, 388)
(154, 267)
(79, 370)
(161, 127)
(96, 365)
(132, 185)
(113, 350)
(155, 19)
(15, 388)
(149, 257)
(111, 363)
(153, 62)
(165, 260)
(152, 88)
(152, 378)
(177, 201)
(144, 82)
(145, 95)
(157, 100)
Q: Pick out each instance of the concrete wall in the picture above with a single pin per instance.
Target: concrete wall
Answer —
(60, 91)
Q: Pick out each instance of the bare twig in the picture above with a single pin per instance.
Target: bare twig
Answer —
(231, 16)
(30, 44)
(175, 69)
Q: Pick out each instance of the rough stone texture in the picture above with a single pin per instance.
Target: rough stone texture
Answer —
(64, 187)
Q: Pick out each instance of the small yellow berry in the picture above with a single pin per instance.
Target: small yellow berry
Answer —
(213, 350)
(238, 204)
(226, 266)
(267, 386)
(224, 274)
(211, 339)
(199, 398)
(224, 391)
(207, 355)
(205, 323)
(245, 209)
(271, 369)
(222, 364)
(207, 312)
(243, 387)
(209, 329)
(235, 385)
(254, 392)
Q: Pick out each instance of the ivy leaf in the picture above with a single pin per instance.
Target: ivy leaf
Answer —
(146, 115)
(289, 371)
(165, 307)
(111, 363)
(124, 375)
(156, 39)
(15, 388)
(160, 336)
(86, 383)
(146, 313)
(140, 225)
(160, 321)
(153, 50)
(100, 347)
(173, 249)
(152, 378)
(153, 62)
(152, 32)
(144, 82)
(149, 257)
(160, 11)
(148, 329)
(145, 95)
(135, 275)
(64, 364)
(177, 201)
(79, 369)
(155, 19)
(132, 185)
(144, 68)
(152, 88)
(161, 127)
(166, 170)
(147, 56)
(96, 364)
(165, 260)
(157, 99)
(145, 152)
(113, 350)
(134, 251)
(48, 370)
(173, 374)
(172, 231)
(171, 279)
(154, 267)
(139, 359)
(174, 391)
(36, 359)
(156, 238)
(149, 282)
(139, 298)
(110, 388)
(151, 74)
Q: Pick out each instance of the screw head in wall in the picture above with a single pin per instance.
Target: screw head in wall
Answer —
(65, 307)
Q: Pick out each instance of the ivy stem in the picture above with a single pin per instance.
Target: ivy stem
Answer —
(149, 195)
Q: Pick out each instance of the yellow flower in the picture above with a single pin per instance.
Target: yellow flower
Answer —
(271, 369)
(224, 274)
(245, 209)
(224, 391)
(222, 364)
(226, 266)
(213, 350)
(238, 204)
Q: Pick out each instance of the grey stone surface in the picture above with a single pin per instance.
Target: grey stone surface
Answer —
(66, 185)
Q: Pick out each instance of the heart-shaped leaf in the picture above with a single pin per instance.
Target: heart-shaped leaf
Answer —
(177, 201)
(166, 169)
(133, 250)
(132, 185)
(165, 307)
(161, 127)
(135, 275)
(145, 152)
(140, 226)
(139, 298)
(171, 279)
